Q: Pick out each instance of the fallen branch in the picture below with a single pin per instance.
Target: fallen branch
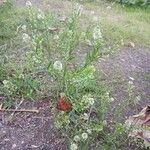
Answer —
(20, 110)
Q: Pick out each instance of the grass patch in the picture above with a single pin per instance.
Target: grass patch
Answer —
(123, 22)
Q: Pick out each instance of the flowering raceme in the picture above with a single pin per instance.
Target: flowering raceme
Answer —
(76, 138)
(88, 100)
(84, 136)
(58, 65)
(97, 33)
(28, 4)
(26, 38)
(74, 146)
(24, 27)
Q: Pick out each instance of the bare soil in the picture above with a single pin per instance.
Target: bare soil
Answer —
(25, 131)
(120, 68)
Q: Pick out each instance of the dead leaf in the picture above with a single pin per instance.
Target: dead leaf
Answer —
(140, 125)
(131, 44)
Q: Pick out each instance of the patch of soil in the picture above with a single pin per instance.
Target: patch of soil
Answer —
(25, 131)
(130, 64)
(58, 6)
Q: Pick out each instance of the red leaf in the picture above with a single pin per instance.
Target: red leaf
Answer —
(63, 104)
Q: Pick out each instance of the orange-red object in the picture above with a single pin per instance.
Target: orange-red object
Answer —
(63, 104)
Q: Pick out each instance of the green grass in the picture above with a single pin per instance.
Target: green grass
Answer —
(117, 23)
(127, 23)
(10, 19)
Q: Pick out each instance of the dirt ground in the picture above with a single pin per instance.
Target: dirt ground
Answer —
(27, 131)
(130, 64)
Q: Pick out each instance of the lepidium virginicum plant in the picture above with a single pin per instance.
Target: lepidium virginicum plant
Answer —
(54, 45)
(81, 124)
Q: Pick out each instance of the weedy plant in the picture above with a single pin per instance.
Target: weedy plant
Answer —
(81, 104)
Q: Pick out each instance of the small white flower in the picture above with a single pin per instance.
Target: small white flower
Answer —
(5, 82)
(112, 99)
(25, 37)
(24, 27)
(76, 138)
(92, 12)
(105, 122)
(58, 65)
(21, 76)
(85, 116)
(130, 82)
(56, 37)
(14, 146)
(28, 4)
(97, 33)
(84, 136)
(35, 59)
(88, 100)
(108, 7)
(131, 78)
(89, 131)
(107, 93)
(91, 101)
(40, 15)
(74, 146)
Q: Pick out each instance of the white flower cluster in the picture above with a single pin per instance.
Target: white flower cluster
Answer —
(35, 59)
(40, 15)
(73, 146)
(26, 38)
(77, 138)
(89, 131)
(85, 116)
(111, 99)
(58, 65)
(97, 33)
(28, 4)
(88, 100)
(24, 27)
(6, 83)
(130, 82)
(131, 79)
(56, 37)
(84, 136)
(9, 85)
